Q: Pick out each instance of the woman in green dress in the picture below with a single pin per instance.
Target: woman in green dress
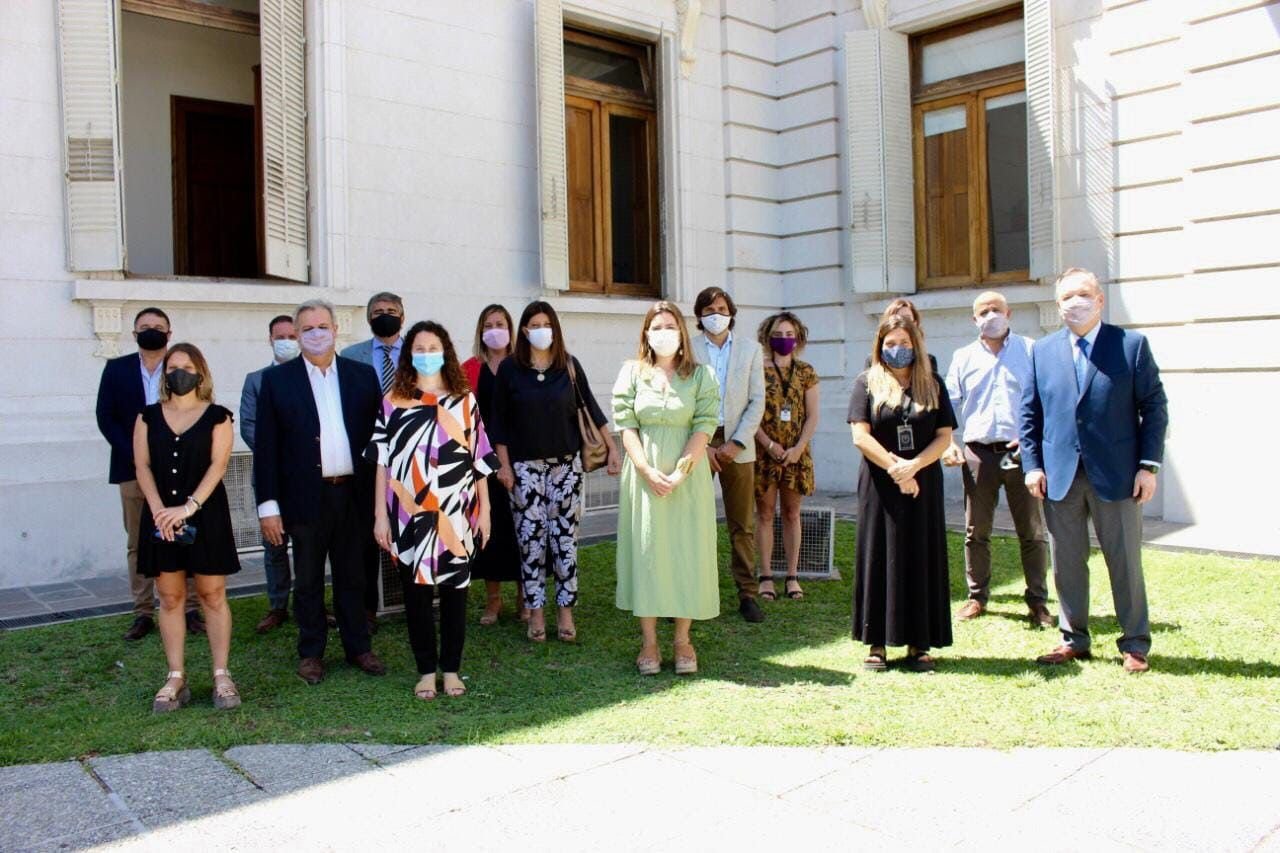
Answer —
(666, 406)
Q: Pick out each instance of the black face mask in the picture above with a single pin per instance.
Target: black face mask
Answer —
(181, 382)
(385, 325)
(152, 339)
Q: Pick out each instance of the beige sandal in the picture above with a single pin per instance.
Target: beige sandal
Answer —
(172, 697)
(426, 687)
(456, 689)
(225, 694)
(686, 659)
(492, 609)
(649, 661)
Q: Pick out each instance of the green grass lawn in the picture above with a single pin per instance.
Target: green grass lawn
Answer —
(75, 689)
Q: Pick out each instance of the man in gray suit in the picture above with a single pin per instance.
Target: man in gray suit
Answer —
(385, 313)
(738, 364)
(275, 558)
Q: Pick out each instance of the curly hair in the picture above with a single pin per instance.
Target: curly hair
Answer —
(770, 322)
(405, 383)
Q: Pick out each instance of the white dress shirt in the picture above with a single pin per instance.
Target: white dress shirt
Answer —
(335, 447)
(718, 358)
(150, 381)
(986, 388)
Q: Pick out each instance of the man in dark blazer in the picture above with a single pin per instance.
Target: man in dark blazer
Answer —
(1092, 439)
(129, 384)
(314, 418)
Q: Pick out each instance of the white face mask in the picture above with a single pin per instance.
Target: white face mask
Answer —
(665, 342)
(285, 349)
(716, 324)
(1078, 310)
(993, 325)
(541, 339)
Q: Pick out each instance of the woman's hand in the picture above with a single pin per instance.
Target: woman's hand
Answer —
(903, 469)
(659, 483)
(171, 519)
(675, 478)
(909, 487)
(485, 526)
(613, 467)
(507, 477)
(792, 455)
(382, 532)
(777, 452)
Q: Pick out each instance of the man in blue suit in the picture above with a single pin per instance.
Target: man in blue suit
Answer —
(1092, 439)
(315, 417)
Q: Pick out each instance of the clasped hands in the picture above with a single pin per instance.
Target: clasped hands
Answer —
(664, 484)
(903, 472)
(171, 519)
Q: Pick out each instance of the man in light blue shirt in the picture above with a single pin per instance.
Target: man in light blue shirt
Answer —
(985, 383)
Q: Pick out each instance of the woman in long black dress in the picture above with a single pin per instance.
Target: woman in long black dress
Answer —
(181, 447)
(901, 419)
(499, 562)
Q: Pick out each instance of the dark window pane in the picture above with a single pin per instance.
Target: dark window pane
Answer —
(1007, 239)
(629, 170)
(602, 66)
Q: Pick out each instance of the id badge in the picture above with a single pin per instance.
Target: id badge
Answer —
(906, 438)
(785, 415)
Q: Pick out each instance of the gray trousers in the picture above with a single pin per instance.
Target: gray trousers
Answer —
(1119, 528)
(983, 478)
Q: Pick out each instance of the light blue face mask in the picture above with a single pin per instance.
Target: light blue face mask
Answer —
(428, 363)
(898, 356)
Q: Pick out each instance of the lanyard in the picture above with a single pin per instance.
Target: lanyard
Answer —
(906, 406)
(786, 384)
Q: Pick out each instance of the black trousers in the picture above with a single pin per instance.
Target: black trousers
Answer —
(338, 534)
(421, 620)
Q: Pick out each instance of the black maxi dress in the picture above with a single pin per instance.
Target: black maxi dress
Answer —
(902, 592)
(179, 463)
(499, 559)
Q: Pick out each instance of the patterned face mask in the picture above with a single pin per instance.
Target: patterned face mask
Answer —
(898, 356)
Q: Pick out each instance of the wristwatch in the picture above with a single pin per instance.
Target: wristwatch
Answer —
(1149, 468)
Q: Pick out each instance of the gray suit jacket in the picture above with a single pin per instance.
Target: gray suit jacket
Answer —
(362, 352)
(744, 396)
(249, 404)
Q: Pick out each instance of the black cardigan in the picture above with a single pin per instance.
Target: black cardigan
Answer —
(539, 420)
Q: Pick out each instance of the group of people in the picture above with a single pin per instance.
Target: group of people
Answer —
(474, 469)
(457, 470)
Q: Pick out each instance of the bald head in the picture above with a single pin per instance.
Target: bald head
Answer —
(990, 301)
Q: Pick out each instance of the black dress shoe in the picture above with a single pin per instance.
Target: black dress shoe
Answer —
(750, 610)
(195, 624)
(142, 625)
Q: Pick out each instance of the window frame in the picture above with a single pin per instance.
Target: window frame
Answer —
(973, 91)
(605, 101)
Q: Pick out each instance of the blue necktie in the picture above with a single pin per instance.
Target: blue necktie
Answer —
(1082, 363)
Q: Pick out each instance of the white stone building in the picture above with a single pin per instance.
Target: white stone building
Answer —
(819, 155)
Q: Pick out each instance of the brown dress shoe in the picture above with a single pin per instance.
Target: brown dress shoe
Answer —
(1063, 654)
(369, 663)
(195, 623)
(1040, 616)
(274, 619)
(142, 625)
(972, 610)
(1135, 663)
(311, 670)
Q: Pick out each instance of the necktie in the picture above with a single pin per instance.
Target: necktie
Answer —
(1082, 363)
(388, 369)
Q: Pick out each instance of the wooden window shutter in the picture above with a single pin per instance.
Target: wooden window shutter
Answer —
(553, 204)
(284, 130)
(88, 64)
(1041, 228)
(879, 173)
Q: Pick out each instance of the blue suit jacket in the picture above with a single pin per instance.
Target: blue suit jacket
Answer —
(1117, 419)
(362, 352)
(121, 399)
(249, 403)
(286, 448)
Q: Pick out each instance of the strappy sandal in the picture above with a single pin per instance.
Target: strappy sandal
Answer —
(225, 694)
(771, 594)
(536, 635)
(876, 660)
(492, 609)
(425, 689)
(796, 594)
(649, 662)
(920, 661)
(454, 690)
(566, 635)
(171, 698)
(686, 659)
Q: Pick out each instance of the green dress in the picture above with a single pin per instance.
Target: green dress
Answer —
(667, 546)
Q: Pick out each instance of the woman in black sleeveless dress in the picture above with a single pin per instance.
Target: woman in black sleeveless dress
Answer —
(181, 448)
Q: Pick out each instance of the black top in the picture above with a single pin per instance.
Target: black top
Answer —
(178, 464)
(539, 420)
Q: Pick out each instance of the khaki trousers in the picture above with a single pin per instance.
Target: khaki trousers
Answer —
(142, 589)
(738, 487)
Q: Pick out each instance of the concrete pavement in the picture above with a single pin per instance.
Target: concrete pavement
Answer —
(636, 797)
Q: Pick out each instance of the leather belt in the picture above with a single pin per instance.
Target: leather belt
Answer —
(336, 481)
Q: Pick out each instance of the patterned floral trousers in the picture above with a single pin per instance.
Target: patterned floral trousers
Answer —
(547, 502)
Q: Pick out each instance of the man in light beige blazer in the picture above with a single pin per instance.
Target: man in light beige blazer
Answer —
(738, 364)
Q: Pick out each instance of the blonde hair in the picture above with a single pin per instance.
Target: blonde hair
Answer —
(685, 364)
(204, 391)
(881, 384)
(478, 347)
